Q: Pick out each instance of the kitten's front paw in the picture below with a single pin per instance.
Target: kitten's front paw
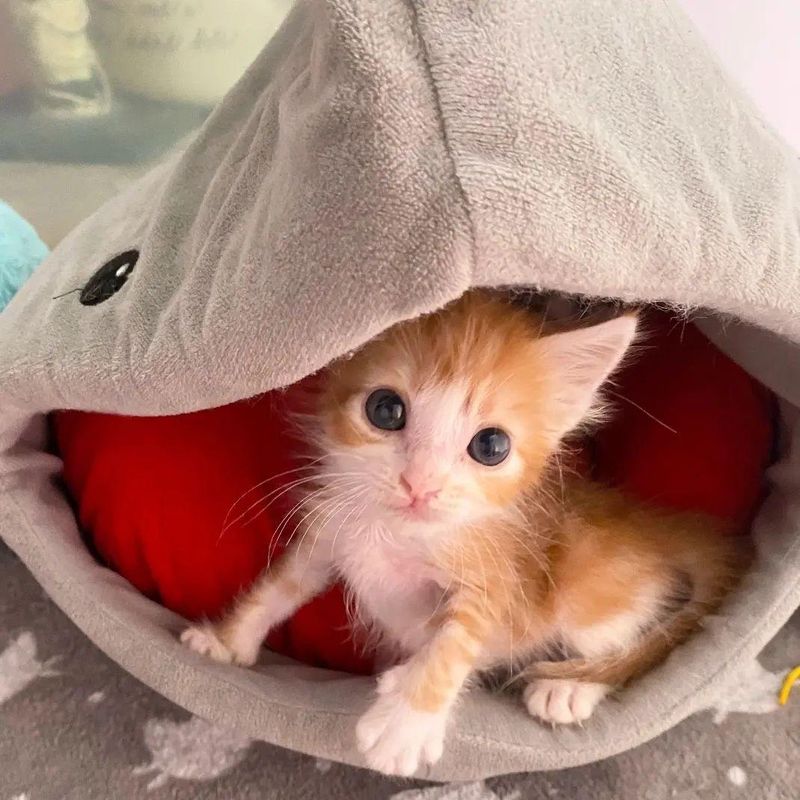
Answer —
(395, 738)
(202, 639)
(205, 640)
(564, 702)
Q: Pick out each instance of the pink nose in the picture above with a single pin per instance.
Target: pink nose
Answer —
(418, 491)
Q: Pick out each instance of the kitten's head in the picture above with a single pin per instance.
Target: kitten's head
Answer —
(449, 418)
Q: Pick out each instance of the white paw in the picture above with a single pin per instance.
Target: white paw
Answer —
(395, 738)
(203, 639)
(563, 701)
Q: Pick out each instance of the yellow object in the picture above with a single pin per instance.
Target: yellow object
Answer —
(791, 680)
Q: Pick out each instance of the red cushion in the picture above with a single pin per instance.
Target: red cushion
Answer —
(693, 431)
(153, 493)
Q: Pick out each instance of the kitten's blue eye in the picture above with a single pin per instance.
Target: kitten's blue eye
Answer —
(385, 410)
(490, 446)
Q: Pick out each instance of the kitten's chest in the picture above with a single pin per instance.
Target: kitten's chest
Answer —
(394, 586)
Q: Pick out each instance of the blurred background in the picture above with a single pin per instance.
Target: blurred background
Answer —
(93, 91)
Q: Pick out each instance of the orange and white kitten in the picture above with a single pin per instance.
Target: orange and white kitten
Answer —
(439, 505)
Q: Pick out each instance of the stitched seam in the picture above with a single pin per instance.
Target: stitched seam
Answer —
(437, 105)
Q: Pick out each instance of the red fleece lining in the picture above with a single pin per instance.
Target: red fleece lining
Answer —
(153, 493)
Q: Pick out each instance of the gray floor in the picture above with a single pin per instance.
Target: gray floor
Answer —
(76, 727)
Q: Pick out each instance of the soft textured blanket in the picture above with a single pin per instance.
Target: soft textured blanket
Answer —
(380, 157)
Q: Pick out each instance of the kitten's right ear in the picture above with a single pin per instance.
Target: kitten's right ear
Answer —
(579, 362)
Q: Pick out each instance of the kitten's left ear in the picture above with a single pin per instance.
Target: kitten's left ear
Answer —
(580, 361)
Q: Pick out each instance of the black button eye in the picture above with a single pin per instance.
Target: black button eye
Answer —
(109, 279)
(490, 446)
(385, 410)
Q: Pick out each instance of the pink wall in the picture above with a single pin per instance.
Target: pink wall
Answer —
(758, 41)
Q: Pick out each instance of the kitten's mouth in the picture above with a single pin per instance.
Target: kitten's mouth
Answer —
(416, 512)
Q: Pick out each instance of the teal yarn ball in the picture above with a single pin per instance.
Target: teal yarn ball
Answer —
(21, 251)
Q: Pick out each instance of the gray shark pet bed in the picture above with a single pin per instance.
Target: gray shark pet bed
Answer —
(379, 158)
